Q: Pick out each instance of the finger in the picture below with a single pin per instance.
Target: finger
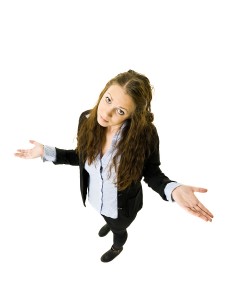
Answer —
(22, 153)
(19, 150)
(197, 205)
(204, 209)
(18, 153)
(199, 189)
(33, 142)
(199, 214)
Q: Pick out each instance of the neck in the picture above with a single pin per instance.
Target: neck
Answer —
(112, 129)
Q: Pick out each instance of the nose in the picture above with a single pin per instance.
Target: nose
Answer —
(108, 112)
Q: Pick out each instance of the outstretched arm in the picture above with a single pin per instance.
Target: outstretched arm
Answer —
(69, 157)
(36, 151)
(184, 195)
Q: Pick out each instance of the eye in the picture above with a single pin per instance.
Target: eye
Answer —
(120, 111)
(108, 100)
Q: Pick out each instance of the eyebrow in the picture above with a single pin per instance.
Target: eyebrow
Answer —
(118, 106)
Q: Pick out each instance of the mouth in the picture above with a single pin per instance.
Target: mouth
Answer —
(103, 119)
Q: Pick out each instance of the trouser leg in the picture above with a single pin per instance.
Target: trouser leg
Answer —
(119, 228)
(119, 238)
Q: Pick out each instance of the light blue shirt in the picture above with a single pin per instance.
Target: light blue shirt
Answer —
(102, 191)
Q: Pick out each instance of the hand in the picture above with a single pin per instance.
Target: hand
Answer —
(185, 197)
(36, 151)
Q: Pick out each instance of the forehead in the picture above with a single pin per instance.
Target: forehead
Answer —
(120, 97)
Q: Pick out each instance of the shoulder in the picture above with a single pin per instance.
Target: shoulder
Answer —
(155, 132)
(151, 141)
(84, 115)
(151, 135)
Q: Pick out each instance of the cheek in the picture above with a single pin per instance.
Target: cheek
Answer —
(101, 105)
(119, 119)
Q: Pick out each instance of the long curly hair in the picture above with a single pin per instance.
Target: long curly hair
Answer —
(136, 137)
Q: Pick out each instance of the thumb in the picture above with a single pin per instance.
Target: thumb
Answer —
(33, 142)
(199, 189)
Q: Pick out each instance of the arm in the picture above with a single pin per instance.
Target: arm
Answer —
(152, 173)
(61, 156)
(183, 195)
(68, 157)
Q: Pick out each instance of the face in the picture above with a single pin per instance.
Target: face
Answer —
(114, 108)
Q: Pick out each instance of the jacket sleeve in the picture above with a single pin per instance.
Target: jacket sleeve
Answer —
(67, 157)
(152, 173)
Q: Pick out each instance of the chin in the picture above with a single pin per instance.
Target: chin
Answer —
(101, 122)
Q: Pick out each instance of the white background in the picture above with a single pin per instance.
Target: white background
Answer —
(55, 58)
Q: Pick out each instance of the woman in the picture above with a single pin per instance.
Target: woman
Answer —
(117, 147)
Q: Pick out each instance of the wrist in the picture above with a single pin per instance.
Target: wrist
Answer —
(42, 151)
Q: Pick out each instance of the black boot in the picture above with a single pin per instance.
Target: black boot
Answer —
(111, 254)
(104, 230)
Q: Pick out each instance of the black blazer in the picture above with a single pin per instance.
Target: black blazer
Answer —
(130, 200)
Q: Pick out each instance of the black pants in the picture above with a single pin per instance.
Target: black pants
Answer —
(119, 228)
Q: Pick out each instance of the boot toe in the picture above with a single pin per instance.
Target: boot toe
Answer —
(110, 254)
(104, 230)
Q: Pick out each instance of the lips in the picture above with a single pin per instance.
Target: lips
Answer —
(103, 119)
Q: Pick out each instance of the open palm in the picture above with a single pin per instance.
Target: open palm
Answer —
(36, 151)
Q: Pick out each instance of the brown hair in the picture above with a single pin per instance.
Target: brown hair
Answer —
(136, 137)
